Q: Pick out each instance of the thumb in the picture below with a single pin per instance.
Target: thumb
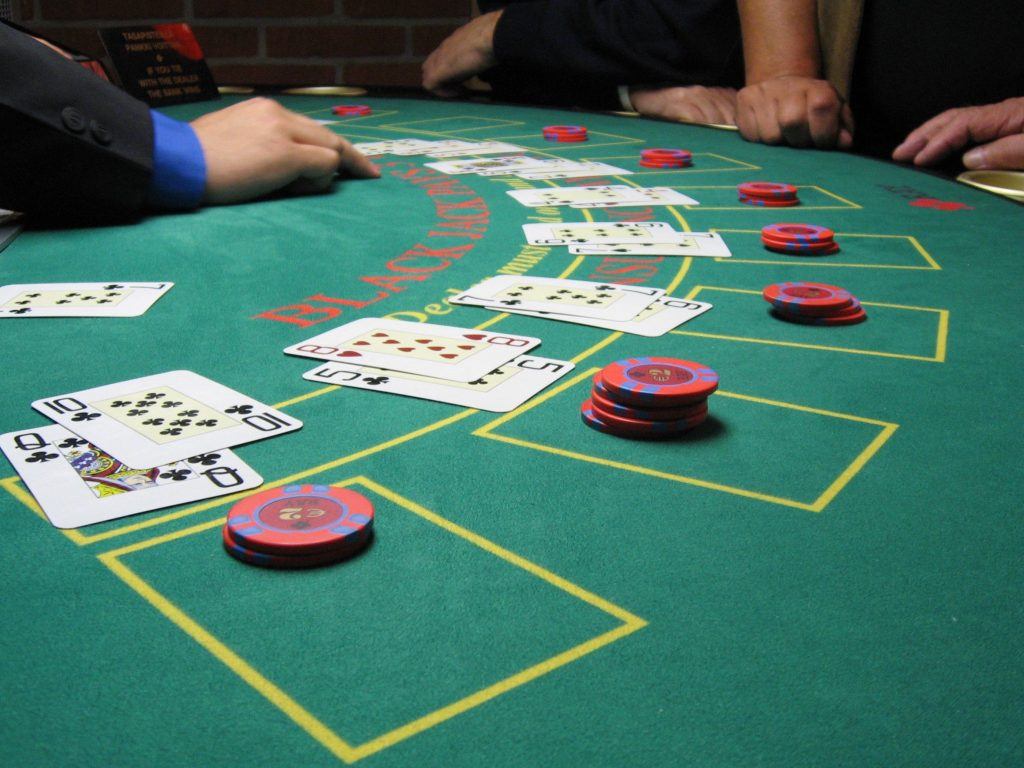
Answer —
(845, 127)
(1006, 153)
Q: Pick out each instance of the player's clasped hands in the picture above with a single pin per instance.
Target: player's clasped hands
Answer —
(258, 147)
(995, 131)
(795, 110)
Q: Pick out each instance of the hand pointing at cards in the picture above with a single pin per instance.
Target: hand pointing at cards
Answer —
(257, 147)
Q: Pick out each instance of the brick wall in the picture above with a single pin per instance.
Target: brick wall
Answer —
(273, 42)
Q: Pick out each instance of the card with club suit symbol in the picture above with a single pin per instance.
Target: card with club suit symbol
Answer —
(110, 299)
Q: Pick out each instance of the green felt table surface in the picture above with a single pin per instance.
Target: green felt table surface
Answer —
(829, 572)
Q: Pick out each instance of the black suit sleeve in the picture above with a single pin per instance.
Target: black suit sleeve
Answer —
(72, 146)
(622, 42)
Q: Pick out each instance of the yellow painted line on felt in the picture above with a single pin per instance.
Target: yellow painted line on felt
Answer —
(798, 345)
(855, 466)
(15, 488)
(487, 431)
(307, 396)
(482, 696)
(149, 523)
(298, 714)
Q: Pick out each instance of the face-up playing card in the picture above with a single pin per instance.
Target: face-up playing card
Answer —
(607, 232)
(76, 483)
(572, 171)
(535, 198)
(641, 196)
(569, 297)
(479, 148)
(690, 244)
(79, 299)
(491, 165)
(394, 147)
(503, 389)
(158, 419)
(656, 320)
(439, 351)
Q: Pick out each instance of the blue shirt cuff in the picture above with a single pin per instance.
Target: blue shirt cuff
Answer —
(179, 168)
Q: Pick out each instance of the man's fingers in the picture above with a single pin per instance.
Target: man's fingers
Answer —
(950, 138)
(918, 138)
(823, 108)
(1006, 153)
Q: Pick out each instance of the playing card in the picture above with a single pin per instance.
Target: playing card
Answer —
(536, 198)
(641, 196)
(479, 148)
(438, 351)
(394, 147)
(569, 297)
(503, 389)
(690, 244)
(657, 319)
(79, 299)
(76, 483)
(603, 232)
(492, 165)
(577, 171)
(158, 419)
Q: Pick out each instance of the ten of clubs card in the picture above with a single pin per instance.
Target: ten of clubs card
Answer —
(75, 483)
(568, 297)
(437, 351)
(163, 418)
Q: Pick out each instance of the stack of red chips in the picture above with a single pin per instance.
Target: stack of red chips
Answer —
(649, 397)
(565, 133)
(351, 110)
(767, 194)
(799, 239)
(665, 158)
(814, 304)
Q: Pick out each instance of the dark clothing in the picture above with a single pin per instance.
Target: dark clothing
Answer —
(576, 52)
(918, 58)
(72, 146)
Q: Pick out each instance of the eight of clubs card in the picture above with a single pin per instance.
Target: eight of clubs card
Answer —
(438, 351)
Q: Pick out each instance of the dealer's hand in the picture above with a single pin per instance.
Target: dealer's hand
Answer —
(257, 146)
(795, 110)
(689, 104)
(468, 51)
(996, 131)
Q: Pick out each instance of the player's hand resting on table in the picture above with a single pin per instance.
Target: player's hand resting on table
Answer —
(689, 104)
(795, 110)
(258, 146)
(996, 132)
(468, 51)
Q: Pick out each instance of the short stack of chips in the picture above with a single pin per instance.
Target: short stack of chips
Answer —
(298, 526)
(351, 110)
(799, 239)
(813, 304)
(665, 158)
(569, 133)
(649, 397)
(767, 194)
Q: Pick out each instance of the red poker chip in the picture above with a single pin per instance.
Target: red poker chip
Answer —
(664, 164)
(800, 248)
(798, 233)
(604, 405)
(288, 562)
(764, 203)
(850, 309)
(600, 424)
(658, 381)
(767, 189)
(665, 154)
(846, 319)
(807, 298)
(301, 519)
(564, 137)
(644, 426)
(346, 110)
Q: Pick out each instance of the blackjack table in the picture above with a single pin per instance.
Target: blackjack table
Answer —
(828, 571)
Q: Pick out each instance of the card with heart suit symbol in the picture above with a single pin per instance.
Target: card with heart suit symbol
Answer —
(439, 351)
